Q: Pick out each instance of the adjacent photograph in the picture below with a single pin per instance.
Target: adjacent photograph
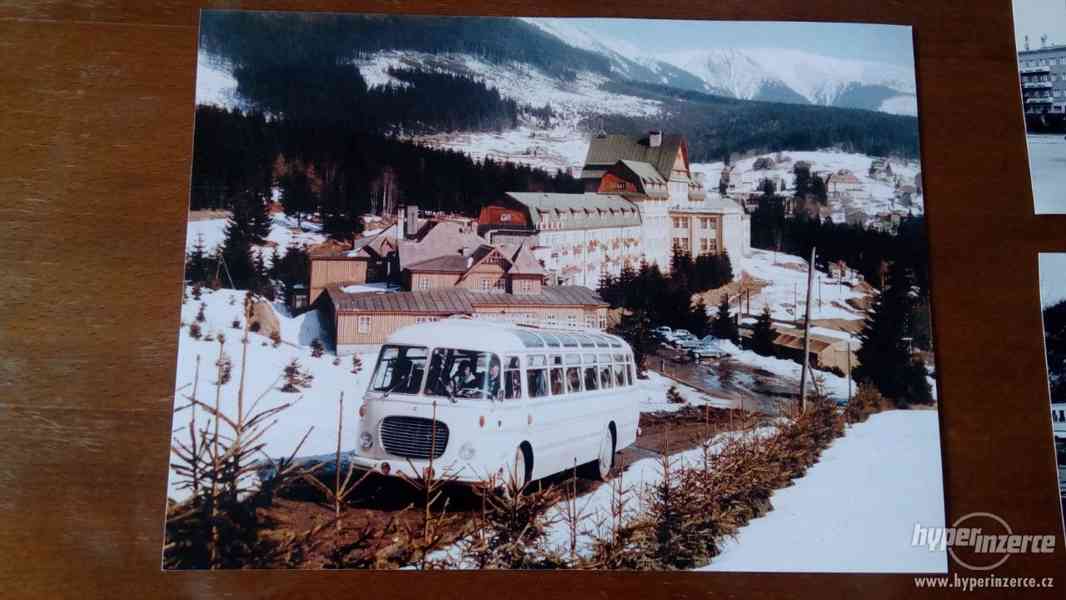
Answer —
(1040, 36)
(1053, 304)
(546, 293)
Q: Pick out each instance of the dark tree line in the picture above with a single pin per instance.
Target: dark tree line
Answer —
(717, 127)
(1055, 344)
(240, 38)
(341, 174)
(863, 249)
(648, 299)
(420, 101)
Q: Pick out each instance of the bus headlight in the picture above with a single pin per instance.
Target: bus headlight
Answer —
(366, 440)
(467, 452)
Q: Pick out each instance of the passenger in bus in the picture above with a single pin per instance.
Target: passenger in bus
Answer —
(590, 379)
(557, 382)
(493, 388)
(573, 376)
(464, 382)
(513, 385)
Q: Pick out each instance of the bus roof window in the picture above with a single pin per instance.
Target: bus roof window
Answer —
(615, 342)
(550, 339)
(605, 358)
(512, 362)
(573, 359)
(587, 342)
(568, 341)
(603, 341)
(536, 360)
(590, 359)
(529, 339)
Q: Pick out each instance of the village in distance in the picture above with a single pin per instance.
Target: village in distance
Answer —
(439, 189)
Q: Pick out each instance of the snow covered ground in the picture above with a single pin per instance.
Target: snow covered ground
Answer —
(561, 147)
(856, 509)
(787, 278)
(282, 233)
(877, 196)
(1047, 166)
(315, 407)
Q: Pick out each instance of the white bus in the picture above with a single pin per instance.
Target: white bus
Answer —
(509, 401)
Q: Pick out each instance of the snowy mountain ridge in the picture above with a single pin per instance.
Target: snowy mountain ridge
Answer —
(773, 74)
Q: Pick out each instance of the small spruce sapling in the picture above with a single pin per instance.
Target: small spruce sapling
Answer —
(673, 395)
(317, 349)
(200, 316)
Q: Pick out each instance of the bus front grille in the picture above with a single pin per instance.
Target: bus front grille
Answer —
(413, 437)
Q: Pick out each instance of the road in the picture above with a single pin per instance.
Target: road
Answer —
(1047, 164)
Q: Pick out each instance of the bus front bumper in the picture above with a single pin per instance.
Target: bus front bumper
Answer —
(398, 466)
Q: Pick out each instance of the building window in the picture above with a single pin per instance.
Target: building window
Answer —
(603, 322)
(703, 247)
(363, 324)
(571, 321)
(551, 320)
(485, 284)
(590, 321)
(423, 283)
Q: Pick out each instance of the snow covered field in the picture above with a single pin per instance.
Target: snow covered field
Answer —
(315, 407)
(282, 233)
(1047, 166)
(879, 193)
(787, 278)
(856, 509)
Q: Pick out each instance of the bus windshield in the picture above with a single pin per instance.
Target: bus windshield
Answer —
(399, 370)
(463, 374)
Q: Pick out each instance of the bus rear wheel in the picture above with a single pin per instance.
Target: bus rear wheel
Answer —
(600, 469)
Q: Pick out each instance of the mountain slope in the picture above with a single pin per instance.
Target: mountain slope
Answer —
(769, 74)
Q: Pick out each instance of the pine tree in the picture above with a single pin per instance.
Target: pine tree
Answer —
(762, 334)
(196, 267)
(884, 358)
(636, 329)
(236, 252)
(297, 196)
(698, 322)
(724, 326)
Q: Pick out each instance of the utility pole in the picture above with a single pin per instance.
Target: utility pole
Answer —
(807, 334)
(849, 370)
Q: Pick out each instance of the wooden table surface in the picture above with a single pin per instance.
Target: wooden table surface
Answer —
(96, 109)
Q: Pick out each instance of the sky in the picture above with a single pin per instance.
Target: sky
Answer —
(1038, 17)
(1052, 278)
(884, 43)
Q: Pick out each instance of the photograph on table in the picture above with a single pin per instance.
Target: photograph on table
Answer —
(552, 293)
(1053, 306)
(1040, 36)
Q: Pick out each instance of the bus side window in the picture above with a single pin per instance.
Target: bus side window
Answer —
(619, 374)
(573, 379)
(591, 378)
(537, 378)
(512, 379)
(605, 371)
(556, 375)
(629, 373)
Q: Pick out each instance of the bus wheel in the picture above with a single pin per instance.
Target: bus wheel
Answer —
(600, 468)
(523, 465)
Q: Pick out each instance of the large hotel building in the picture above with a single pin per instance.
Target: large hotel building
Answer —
(529, 257)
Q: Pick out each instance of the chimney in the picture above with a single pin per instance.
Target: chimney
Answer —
(655, 138)
(410, 221)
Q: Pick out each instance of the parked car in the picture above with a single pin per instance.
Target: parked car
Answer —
(663, 331)
(707, 349)
(683, 333)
